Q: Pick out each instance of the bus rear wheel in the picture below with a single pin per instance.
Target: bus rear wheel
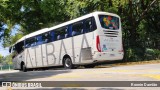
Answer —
(67, 63)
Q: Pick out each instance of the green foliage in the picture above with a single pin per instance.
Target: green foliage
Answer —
(140, 28)
(1, 58)
(135, 54)
(12, 39)
(157, 53)
(7, 60)
(152, 54)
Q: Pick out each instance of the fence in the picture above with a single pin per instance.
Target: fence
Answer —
(6, 67)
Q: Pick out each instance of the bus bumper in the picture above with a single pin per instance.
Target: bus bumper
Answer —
(108, 56)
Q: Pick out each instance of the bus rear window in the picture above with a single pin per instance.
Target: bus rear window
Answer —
(109, 22)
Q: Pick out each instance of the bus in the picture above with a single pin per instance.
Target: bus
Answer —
(84, 41)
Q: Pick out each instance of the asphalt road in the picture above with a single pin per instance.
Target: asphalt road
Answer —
(147, 72)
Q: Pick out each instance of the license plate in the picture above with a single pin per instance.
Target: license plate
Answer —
(112, 55)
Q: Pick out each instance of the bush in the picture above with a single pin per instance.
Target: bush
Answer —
(157, 53)
(135, 54)
(152, 54)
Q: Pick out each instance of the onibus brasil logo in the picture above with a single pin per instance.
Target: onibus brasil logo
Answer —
(21, 84)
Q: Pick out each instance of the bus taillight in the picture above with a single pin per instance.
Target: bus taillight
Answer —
(98, 44)
(121, 49)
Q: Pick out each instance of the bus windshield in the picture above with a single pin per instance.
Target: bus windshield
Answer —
(109, 22)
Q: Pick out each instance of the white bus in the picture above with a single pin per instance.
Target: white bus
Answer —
(92, 38)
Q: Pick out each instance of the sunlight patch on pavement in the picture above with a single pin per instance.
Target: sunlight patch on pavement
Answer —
(98, 76)
(80, 75)
(123, 70)
(154, 76)
(120, 70)
(66, 76)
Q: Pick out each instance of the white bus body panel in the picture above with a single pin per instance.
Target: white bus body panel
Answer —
(17, 60)
(51, 54)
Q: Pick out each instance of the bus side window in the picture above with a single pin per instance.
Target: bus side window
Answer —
(33, 41)
(14, 52)
(77, 28)
(61, 33)
(94, 26)
(69, 31)
(66, 32)
(19, 47)
(90, 24)
(46, 37)
(27, 43)
(52, 34)
(56, 35)
(39, 40)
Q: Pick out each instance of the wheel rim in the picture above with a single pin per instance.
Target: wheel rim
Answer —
(67, 62)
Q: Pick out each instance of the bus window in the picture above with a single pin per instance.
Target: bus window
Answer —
(57, 35)
(14, 52)
(33, 41)
(46, 37)
(109, 22)
(27, 43)
(61, 33)
(30, 42)
(19, 47)
(52, 34)
(66, 32)
(39, 40)
(94, 26)
(77, 28)
(90, 24)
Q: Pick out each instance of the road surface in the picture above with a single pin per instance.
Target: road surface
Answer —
(147, 72)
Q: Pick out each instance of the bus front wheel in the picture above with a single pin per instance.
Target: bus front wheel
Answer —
(67, 63)
(24, 69)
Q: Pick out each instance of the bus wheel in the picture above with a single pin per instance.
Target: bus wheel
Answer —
(67, 63)
(24, 69)
(89, 66)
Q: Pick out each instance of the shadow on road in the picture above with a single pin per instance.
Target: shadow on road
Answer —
(23, 76)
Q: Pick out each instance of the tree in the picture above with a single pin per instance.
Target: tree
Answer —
(1, 58)
(29, 15)
(140, 19)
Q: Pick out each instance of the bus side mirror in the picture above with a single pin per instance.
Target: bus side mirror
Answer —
(10, 49)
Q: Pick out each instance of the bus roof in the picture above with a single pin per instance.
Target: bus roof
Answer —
(63, 24)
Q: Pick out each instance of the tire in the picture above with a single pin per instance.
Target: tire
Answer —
(24, 69)
(67, 63)
(89, 66)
